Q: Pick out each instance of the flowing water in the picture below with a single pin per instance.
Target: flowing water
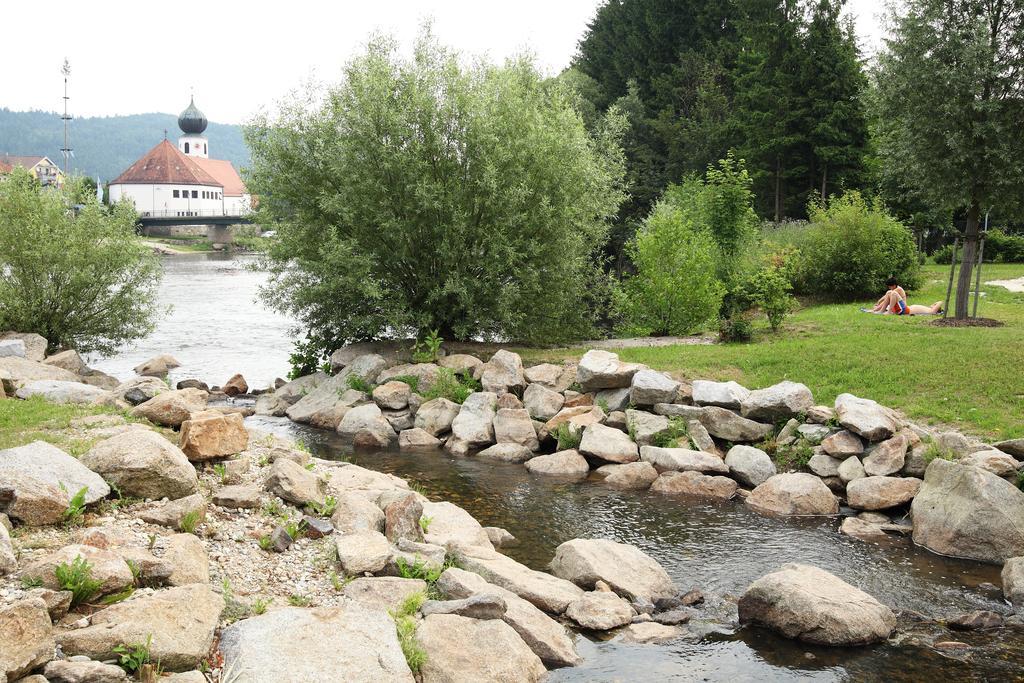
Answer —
(217, 330)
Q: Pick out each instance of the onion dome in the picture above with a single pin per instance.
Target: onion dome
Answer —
(192, 121)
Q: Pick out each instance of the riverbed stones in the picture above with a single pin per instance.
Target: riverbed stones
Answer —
(722, 394)
(599, 611)
(682, 460)
(886, 457)
(463, 650)
(549, 593)
(108, 568)
(56, 391)
(138, 390)
(861, 529)
(503, 373)
(354, 512)
(748, 465)
(402, 519)
(793, 494)
(880, 493)
(353, 642)
(392, 395)
(362, 551)
(171, 408)
(1013, 581)
(824, 465)
(649, 387)
(968, 512)
(452, 526)
(695, 484)
(728, 426)
(514, 425)
(541, 402)
(366, 427)
(649, 632)
(294, 483)
(633, 476)
(843, 444)
(436, 416)
(778, 402)
(418, 440)
(48, 467)
(237, 496)
(851, 469)
(473, 427)
(542, 634)
(865, 417)
(603, 370)
(506, 452)
(811, 605)
(27, 638)
(144, 464)
(209, 434)
(626, 569)
(568, 463)
(158, 366)
(608, 444)
(482, 606)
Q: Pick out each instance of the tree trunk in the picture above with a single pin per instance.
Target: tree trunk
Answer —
(778, 189)
(824, 178)
(970, 255)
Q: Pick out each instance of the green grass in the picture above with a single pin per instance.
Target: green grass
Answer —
(967, 378)
(23, 422)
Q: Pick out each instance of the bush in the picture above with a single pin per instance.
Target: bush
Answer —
(675, 289)
(999, 248)
(737, 328)
(769, 288)
(854, 246)
(429, 195)
(82, 279)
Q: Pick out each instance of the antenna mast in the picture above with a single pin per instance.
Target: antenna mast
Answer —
(66, 149)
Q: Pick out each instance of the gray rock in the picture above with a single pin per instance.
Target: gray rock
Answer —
(462, 363)
(451, 525)
(418, 440)
(473, 427)
(384, 593)
(8, 559)
(968, 512)
(366, 427)
(603, 370)
(188, 559)
(158, 366)
(650, 387)
(294, 483)
(238, 496)
(695, 484)
(1014, 447)
(612, 400)
(326, 404)
(787, 435)
(820, 415)
(562, 464)
(354, 512)
(793, 494)
(64, 671)
(626, 569)
(138, 390)
(1013, 581)
(435, 417)
(500, 538)
(463, 650)
(631, 476)
(171, 408)
(996, 462)
(851, 469)
(701, 439)
(392, 395)
(687, 412)
(541, 402)
(143, 463)
(750, 466)
(27, 638)
(426, 374)
(289, 394)
(814, 606)
(402, 519)
(514, 425)
(549, 593)
(503, 372)
(69, 360)
(56, 391)
(506, 452)
(599, 611)
(778, 402)
(862, 530)
(482, 606)
(353, 643)
(683, 460)
(362, 551)
(722, 394)
(12, 348)
(280, 539)
(887, 457)
(173, 512)
(813, 434)
(40, 464)
(824, 465)
(608, 444)
(728, 426)
(843, 444)
(880, 493)
(645, 426)
(34, 344)
(865, 417)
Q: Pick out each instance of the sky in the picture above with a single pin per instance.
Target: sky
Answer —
(138, 56)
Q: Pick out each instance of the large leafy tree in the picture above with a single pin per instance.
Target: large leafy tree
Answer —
(80, 278)
(951, 98)
(419, 194)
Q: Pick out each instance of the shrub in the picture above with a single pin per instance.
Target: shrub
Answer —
(769, 288)
(854, 247)
(737, 328)
(999, 248)
(451, 386)
(77, 578)
(675, 289)
(82, 279)
(567, 437)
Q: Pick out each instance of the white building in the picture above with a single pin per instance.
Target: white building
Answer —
(183, 181)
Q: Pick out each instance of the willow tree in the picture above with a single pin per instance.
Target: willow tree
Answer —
(419, 193)
(951, 96)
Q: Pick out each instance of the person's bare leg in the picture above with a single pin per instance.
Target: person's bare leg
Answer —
(919, 309)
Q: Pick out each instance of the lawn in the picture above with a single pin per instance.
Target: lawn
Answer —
(35, 419)
(968, 378)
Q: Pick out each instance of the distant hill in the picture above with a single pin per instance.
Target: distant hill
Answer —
(105, 146)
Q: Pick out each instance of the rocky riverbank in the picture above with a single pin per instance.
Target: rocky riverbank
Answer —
(230, 551)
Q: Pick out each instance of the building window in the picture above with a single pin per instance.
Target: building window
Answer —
(204, 148)
(195, 194)
(186, 148)
(176, 194)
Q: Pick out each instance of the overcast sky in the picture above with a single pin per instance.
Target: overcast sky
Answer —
(135, 56)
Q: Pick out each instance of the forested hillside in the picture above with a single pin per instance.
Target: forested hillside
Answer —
(105, 146)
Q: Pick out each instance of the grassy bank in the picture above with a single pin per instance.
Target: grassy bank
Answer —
(35, 419)
(969, 378)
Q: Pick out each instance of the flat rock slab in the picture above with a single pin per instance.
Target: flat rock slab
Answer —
(384, 593)
(695, 484)
(628, 570)
(50, 465)
(56, 391)
(321, 645)
(683, 460)
(464, 650)
(550, 593)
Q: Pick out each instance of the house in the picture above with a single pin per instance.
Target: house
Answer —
(42, 169)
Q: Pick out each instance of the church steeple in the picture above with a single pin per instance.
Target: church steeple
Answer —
(193, 123)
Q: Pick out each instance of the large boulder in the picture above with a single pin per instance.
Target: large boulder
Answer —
(461, 363)
(865, 417)
(353, 512)
(824, 465)
(436, 416)
(158, 366)
(851, 469)
(682, 460)
(393, 395)
(600, 611)
(473, 427)
(108, 568)
(503, 373)
(995, 461)
(541, 402)
(13, 348)
(56, 391)
(16, 371)
(179, 624)
(750, 466)
(365, 426)
(285, 396)
(70, 360)
(27, 638)
(402, 519)
(138, 390)
(34, 344)
(327, 404)
(143, 463)
(632, 476)
(171, 408)
(650, 387)
(39, 467)
(451, 525)
(608, 444)
(351, 642)
(506, 452)
(577, 417)
(362, 551)
(1014, 447)
(513, 425)
(1013, 581)
(629, 571)
(777, 402)
(426, 374)
(549, 593)
(385, 593)
(793, 493)
(887, 457)
(294, 483)
(722, 394)
(728, 426)
(212, 434)
(603, 370)
(968, 512)
(464, 650)
(810, 604)
(569, 464)
(880, 493)
(695, 484)
(417, 439)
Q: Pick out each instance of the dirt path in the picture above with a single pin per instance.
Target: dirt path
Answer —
(1015, 285)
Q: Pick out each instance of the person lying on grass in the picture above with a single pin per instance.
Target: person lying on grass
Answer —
(894, 302)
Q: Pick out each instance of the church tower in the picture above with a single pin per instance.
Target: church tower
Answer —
(192, 123)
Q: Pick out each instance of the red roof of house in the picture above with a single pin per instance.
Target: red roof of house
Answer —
(165, 164)
(9, 161)
(225, 174)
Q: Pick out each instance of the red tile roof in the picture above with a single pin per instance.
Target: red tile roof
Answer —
(9, 161)
(165, 164)
(225, 175)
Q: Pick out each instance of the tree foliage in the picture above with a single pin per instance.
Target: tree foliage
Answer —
(950, 88)
(82, 280)
(418, 194)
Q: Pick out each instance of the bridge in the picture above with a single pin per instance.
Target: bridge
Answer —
(153, 219)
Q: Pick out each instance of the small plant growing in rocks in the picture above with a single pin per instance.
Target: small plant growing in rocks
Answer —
(569, 438)
(152, 542)
(794, 457)
(118, 597)
(450, 386)
(76, 577)
(298, 600)
(134, 656)
(670, 438)
(405, 626)
(265, 542)
(295, 530)
(425, 521)
(326, 508)
(74, 514)
(190, 521)
(259, 605)
(359, 384)
(429, 349)
(30, 582)
(933, 451)
(221, 470)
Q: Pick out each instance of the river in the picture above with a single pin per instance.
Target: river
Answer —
(217, 328)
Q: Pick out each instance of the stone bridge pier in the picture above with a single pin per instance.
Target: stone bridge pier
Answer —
(219, 234)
